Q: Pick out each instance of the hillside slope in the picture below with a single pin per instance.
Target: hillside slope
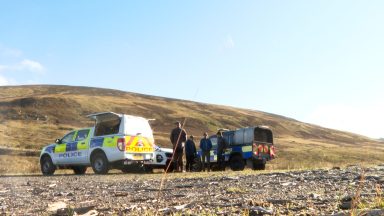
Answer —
(33, 116)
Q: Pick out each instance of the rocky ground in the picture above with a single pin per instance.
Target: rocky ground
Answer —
(316, 192)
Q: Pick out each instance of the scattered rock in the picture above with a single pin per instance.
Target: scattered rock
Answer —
(313, 192)
(57, 206)
(230, 178)
(257, 210)
(85, 207)
(346, 203)
(90, 213)
(314, 196)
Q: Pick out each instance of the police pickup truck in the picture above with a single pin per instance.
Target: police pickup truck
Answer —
(115, 141)
(251, 146)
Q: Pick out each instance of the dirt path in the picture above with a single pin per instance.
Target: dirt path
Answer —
(315, 192)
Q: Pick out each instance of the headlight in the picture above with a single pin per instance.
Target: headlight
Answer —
(159, 158)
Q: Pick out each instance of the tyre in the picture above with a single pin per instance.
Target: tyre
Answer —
(170, 164)
(79, 170)
(46, 165)
(197, 166)
(126, 169)
(236, 163)
(258, 164)
(100, 163)
(148, 169)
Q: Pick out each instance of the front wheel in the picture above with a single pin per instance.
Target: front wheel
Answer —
(46, 165)
(100, 163)
(237, 163)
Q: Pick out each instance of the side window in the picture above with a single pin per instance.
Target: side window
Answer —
(107, 127)
(82, 135)
(68, 137)
(214, 141)
(228, 136)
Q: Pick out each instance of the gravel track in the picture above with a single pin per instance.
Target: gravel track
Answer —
(311, 192)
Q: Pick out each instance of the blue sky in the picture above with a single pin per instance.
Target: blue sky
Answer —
(316, 61)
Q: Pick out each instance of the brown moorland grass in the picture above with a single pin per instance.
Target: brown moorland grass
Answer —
(34, 116)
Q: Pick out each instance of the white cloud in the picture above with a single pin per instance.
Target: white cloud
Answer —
(229, 43)
(24, 65)
(15, 68)
(366, 119)
(31, 65)
(8, 52)
(3, 68)
(3, 81)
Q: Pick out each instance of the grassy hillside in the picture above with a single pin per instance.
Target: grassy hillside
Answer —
(33, 116)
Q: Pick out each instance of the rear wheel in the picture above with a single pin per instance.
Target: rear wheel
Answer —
(46, 165)
(79, 170)
(237, 163)
(258, 164)
(100, 163)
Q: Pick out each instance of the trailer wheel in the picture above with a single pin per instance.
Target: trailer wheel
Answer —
(236, 163)
(79, 170)
(197, 166)
(258, 164)
(47, 166)
(99, 163)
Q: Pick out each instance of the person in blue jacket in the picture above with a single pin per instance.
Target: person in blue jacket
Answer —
(190, 153)
(206, 146)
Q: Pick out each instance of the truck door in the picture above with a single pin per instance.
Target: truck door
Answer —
(60, 151)
(82, 146)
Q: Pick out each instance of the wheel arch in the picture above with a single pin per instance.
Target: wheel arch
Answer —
(233, 154)
(46, 155)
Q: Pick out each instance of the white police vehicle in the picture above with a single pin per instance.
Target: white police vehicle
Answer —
(160, 160)
(115, 141)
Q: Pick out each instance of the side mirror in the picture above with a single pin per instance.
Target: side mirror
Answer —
(58, 141)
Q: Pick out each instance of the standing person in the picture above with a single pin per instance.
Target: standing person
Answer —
(190, 153)
(221, 146)
(206, 146)
(178, 137)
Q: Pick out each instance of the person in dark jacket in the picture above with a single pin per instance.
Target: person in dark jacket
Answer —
(190, 153)
(178, 137)
(221, 146)
(206, 146)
